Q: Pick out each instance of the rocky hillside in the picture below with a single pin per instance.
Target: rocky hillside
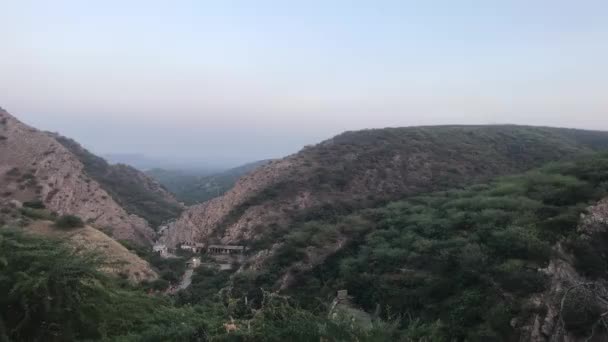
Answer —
(135, 191)
(34, 166)
(358, 169)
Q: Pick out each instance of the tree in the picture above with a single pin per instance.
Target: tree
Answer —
(48, 292)
(69, 222)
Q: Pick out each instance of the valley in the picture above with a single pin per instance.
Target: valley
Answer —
(304, 171)
(193, 187)
(442, 233)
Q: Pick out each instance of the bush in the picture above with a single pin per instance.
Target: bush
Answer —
(580, 310)
(159, 284)
(34, 204)
(37, 214)
(589, 260)
(69, 222)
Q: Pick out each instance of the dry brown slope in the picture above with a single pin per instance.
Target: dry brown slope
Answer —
(119, 260)
(34, 166)
(356, 169)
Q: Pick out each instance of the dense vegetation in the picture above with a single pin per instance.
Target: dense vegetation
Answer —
(460, 260)
(69, 222)
(170, 270)
(127, 186)
(50, 292)
(192, 189)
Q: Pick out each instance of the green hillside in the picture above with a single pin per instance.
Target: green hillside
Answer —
(466, 257)
(366, 168)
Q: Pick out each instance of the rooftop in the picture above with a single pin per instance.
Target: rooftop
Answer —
(227, 247)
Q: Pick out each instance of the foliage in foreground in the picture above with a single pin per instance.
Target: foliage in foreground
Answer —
(50, 292)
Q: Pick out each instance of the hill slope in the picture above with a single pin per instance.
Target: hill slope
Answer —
(490, 261)
(359, 169)
(520, 258)
(119, 260)
(135, 191)
(35, 166)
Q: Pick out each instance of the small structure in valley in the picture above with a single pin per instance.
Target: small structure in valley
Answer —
(225, 249)
(194, 262)
(161, 249)
(226, 256)
(194, 247)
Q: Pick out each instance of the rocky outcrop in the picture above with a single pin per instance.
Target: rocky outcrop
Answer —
(573, 307)
(34, 166)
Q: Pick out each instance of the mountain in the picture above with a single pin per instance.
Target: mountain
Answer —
(477, 233)
(359, 169)
(135, 191)
(35, 166)
(192, 187)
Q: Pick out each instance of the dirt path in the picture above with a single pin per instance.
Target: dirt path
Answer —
(186, 280)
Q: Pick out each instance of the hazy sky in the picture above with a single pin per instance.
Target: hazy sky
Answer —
(233, 81)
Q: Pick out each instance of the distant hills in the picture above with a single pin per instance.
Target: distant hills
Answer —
(192, 187)
(144, 163)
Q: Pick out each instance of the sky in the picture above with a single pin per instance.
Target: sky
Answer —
(226, 82)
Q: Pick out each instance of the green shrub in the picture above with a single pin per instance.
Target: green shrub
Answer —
(159, 284)
(580, 310)
(38, 204)
(38, 214)
(589, 260)
(69, 222)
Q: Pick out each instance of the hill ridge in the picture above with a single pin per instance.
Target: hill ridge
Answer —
(356, 168)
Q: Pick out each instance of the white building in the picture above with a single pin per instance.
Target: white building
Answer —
(193, 247)
(194, 262)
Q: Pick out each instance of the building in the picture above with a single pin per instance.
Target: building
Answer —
(225, 249)
(195, 247)
(161, 249)
(194, 262)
